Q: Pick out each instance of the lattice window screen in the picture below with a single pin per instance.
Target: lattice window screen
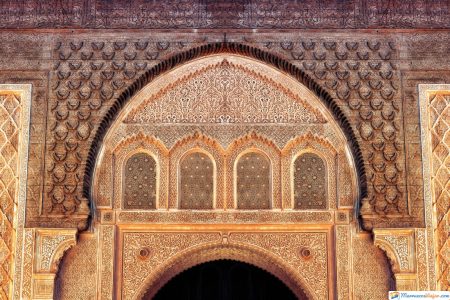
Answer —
(140, 182)
(253, 184)
(310, 182)
(196, 181)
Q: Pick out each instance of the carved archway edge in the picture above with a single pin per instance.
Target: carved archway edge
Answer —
(259, 258)
(211, 49)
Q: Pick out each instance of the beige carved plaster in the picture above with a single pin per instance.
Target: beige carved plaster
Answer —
(434, 100)
(15, 108)
(399, 245)
(311, 251)
(49, 247)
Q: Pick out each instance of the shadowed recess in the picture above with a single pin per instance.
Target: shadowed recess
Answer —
(223, 280)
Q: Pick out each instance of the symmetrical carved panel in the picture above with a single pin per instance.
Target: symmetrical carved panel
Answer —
(309, 145)
(196, 187)
(140, 190)
(253, 181)
(435, 111)
(10, 122)
(155, 256)
(144, 253)
(310, 182)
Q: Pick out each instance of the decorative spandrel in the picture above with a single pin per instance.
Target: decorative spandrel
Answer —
(310, 182)
(253, 182)
(196, 182)
(140, 182)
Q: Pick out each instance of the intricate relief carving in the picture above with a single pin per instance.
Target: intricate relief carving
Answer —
(224, 93)
(371, 267)
(50, 246)
(88, 74)
(343, 261)
(162, 246)
(362, 78)
(288, 247)
(249, 143)
(253, 181)
(229, 217)
(399, 246)
(196, 143)
(119, 155)
(77, 275)
(10, 124)
(434, 112)
(107, 261)
(440, 144)
(188, 14)
(310, 182)
(140, 186)
(196, 186)
(308, 144)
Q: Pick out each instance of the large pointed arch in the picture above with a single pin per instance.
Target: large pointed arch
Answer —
(236, 49)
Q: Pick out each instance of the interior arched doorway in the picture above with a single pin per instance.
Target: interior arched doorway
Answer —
(229, 113)
(238, 252)
(223, 280)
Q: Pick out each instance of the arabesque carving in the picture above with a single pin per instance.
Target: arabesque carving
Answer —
(399, 246)
(10, 125)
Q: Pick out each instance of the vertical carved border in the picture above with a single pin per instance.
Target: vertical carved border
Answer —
(430, 219)
(106, 261)
(19, 217)
(343, 240)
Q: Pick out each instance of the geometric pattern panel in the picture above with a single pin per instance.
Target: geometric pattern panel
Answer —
(10, 113)
(140, 182)
(196, 181)
(310, 182)
(253, 184)
(439, 126)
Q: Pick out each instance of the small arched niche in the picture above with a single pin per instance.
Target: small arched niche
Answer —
(310, 188)
(196, 181)
(253, 189)
(140, 182)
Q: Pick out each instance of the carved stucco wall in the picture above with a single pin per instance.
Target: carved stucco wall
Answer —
(435, 128)
(369, 100)
(97, 66)
(10, 114)
(14, 142)
(297, 246)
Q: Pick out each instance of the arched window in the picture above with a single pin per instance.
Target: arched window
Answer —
(196, 181)
(310, 182)
(253, 181)
(140, 182)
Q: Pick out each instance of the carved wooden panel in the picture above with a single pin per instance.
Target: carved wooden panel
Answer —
(140, 190)
(253, 181)
(310, 182)
(174, 14)
(196, 189)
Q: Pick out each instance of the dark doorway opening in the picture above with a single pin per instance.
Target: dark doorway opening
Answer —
(224, 280)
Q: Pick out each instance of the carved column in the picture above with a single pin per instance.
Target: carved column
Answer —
(399, 246)
(49, 247)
